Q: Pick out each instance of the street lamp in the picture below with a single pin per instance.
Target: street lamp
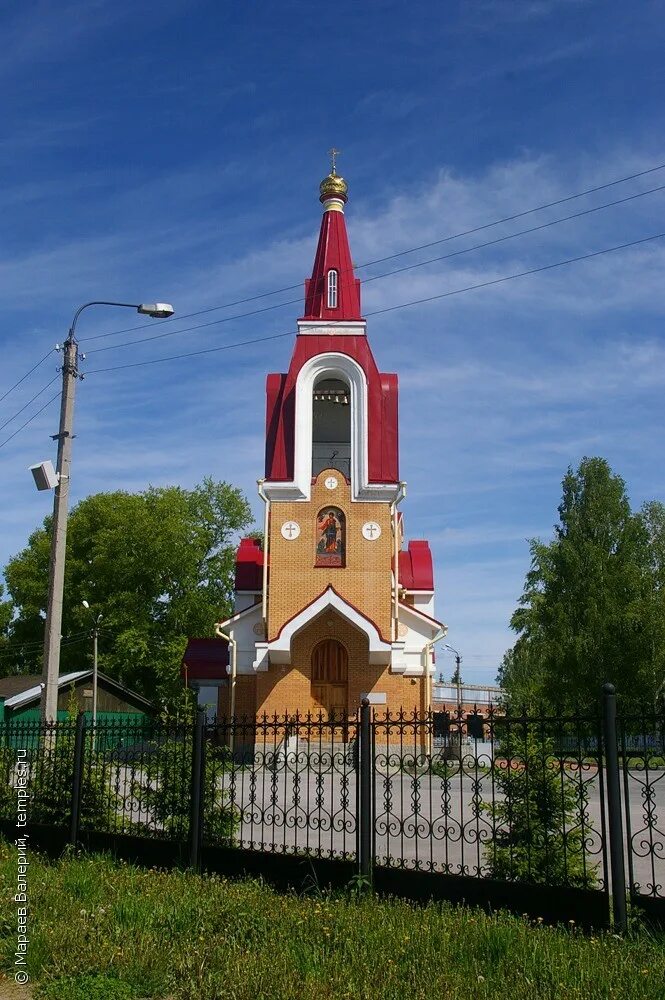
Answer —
(457, 679)
(53, 624)
(96, 619)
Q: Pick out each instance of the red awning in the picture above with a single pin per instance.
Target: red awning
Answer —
(249, 565)
(415, 567)
(205, 659)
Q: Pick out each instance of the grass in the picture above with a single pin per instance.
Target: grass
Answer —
(100, 928)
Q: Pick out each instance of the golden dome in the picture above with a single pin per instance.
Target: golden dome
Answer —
(333, 186)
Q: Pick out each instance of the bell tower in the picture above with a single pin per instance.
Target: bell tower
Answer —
(333, 607)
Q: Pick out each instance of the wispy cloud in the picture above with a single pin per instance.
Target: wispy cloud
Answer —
(500, 390)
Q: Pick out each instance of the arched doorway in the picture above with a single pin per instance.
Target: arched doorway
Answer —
(330, 679)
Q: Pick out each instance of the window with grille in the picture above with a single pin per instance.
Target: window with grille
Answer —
(332, 289)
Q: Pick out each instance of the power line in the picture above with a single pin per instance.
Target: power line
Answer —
(520, 274)
(15, 649)
(510, 236)
(401, 305)
(30, 419)
(26, 405)
(24, 377)
(191, 354)
(200, 326)
(387, 274)
(400, 253)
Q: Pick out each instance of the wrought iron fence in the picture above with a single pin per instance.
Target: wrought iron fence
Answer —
(288, 784)
(642, 759)
(572, 804)
(520, 800)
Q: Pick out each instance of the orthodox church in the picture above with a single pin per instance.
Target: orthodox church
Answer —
(334, 606)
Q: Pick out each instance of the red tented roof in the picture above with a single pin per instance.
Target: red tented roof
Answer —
(249, 565)
(332, 254)
(416, 571)
(205, 659)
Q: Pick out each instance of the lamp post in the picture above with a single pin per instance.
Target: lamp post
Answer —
(457, 679)
(53, 624)
(96, 619)
(428, 679)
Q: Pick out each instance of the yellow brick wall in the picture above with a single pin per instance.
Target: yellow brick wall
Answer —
(365, 580)
(245, 697)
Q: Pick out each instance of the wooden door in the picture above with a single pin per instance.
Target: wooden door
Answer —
(330, 679)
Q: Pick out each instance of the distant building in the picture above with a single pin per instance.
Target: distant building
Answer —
(20, 697)
(467, 695)
(468, 704)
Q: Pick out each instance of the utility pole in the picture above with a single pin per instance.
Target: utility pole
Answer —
(457, 676)
(56, 583)
(95, 635)
(96, 621)
(458, 680)
(53, 626)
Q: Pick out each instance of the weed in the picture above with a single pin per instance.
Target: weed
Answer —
(85, 988)
(99, 925)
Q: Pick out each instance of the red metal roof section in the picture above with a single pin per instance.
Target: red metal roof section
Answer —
(249, 565)
(332, 253)
(416, 571)
(205, 659)
(383, 446)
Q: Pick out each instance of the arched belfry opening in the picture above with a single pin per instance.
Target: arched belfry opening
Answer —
(331, 426)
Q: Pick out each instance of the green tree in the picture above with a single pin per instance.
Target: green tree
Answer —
(6, 612)
(652, 517)
(587, 602)
(157, 565)
(536, 816)
(520, 676)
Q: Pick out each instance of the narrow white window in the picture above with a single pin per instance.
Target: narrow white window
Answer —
(332, 289)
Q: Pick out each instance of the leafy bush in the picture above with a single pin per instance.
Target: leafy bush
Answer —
(7, 793)
(537, 832)
(163, 788)
(85, 988)
(52, 779)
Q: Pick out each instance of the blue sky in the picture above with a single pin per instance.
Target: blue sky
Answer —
(173, 150)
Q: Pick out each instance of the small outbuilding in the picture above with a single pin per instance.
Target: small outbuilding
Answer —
(20, 696)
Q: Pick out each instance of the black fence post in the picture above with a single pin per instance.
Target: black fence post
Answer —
(365, 839)
(77, 782)
(196, 789)
(614, 825)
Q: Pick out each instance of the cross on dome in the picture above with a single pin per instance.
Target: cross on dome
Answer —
(334, 153)
(333, 188)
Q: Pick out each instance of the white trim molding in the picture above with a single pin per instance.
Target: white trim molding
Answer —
(341, 366)
(279, 650)
(332, 327)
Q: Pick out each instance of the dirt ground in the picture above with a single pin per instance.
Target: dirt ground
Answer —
(10, 991)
